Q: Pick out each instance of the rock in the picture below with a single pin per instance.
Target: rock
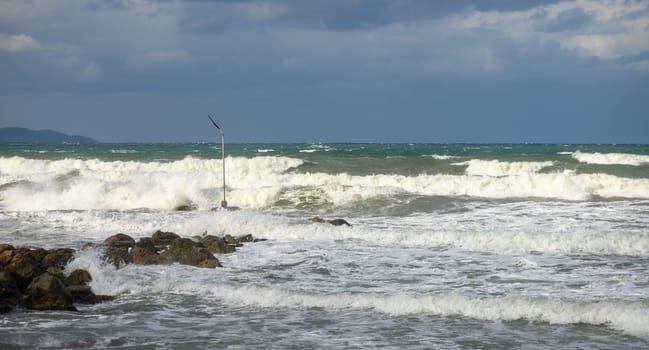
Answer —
(78, 278)
(37, 254)
(144, 252)
(120, 240)
(9, 292)
(24, 268)
(84, 294)
(335, 222)
(4, 247)
(317, 219)
(216, 245)
(187, 252)
(5, 307)
(56, 272)
(57, 257)
(117, 256)
(339, 222)
(6, 256)
(163, 238)
(186, 207)
(245, 239)
(47, 292)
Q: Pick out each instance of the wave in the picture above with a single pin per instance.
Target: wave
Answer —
(442, 156)
(398, 232)
(261, 182)
(611, 158)
(631, 317)
(478, 167)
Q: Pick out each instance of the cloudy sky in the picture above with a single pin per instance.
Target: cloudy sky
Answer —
(328, 71)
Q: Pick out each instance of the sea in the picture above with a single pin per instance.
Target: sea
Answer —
(451, 246)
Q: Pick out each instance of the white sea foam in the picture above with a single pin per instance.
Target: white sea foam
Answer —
(262, 181)
(442, 156)
(612, 158)
(499, 168)
(489, 235)
(631, 317)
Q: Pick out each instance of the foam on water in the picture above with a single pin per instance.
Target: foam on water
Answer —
(628, 316)
(500, 168)
(611, 158)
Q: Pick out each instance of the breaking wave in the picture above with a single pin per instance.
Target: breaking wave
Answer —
(631, 317)
(611, 158)
(500, 168)
(260, 182)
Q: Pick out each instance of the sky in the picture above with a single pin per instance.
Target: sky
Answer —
(424, 71)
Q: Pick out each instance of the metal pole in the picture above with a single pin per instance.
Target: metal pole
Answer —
(224, 203)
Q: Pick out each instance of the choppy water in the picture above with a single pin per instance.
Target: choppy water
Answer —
(452, 246)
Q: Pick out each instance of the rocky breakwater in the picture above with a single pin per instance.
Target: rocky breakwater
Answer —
(164, 248)
(33, 278)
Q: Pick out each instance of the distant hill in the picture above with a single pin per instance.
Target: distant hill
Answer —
(22, 135)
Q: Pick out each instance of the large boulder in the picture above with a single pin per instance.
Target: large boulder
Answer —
(187, 252)
(78, 278)
(120, 240)
(6, 254)
(160, 238)
(144, 252)
(47, 292)
(24, 268)
(117, 256)
(9, 292)
(57, 258)
(216, 245)
(83, 294)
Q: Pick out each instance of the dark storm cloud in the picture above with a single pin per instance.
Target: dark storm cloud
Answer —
(435, 66)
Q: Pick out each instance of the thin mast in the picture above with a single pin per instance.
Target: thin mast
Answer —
(223, 203)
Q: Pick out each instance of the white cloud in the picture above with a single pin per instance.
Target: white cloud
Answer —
(615, 28)
(17, 43)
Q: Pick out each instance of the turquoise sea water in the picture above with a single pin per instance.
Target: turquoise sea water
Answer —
(453, 246)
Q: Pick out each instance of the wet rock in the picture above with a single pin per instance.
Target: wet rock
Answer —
(245, 239)
(9, 292)
(4, 247)
(160, 238)
(120, 240)
(56, 272)
(84, 294)
(24, 268)
(144, 252)
(187, 252)
(57, 257)
(78, 278)
(37, 254)
(317, 219)
(339, 222)
(216, 245)
(335, 222)
(117, 256)
(5, 256)
(47, 292)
